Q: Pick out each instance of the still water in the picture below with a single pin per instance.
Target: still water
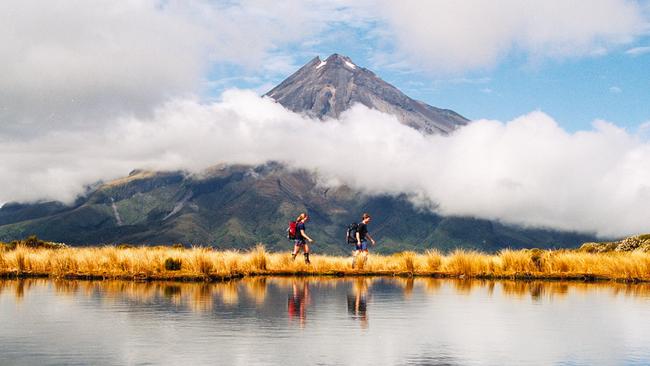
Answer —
(309, 321)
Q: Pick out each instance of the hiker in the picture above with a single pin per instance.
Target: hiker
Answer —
(362, 237)
(301, 238)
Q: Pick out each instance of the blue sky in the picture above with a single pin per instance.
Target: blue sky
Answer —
(610, 81)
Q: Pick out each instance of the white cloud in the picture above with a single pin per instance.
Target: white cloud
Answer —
(79, 64)
(463, 35)
(528, 171)
(638, 51)
(615, 90)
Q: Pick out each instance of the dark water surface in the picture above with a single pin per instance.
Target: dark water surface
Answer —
(298, 321)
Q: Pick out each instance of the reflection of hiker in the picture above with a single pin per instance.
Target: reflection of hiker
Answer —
(301, 238)
(362, 236)
(297, 304)
(358, 302)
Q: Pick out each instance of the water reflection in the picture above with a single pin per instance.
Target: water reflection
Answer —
(358, 301)
(298, 301)
(202, 297)
(254, 321)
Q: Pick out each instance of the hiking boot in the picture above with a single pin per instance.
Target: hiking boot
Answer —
(293, 256)
(307, 258)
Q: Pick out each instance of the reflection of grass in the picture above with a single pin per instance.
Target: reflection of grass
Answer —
(207, 264)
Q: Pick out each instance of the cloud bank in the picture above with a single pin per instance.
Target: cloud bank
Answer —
(465, 35)
(78, 64)
(528, 171)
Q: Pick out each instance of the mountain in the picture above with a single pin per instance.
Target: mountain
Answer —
(238, 206)
(327, 88)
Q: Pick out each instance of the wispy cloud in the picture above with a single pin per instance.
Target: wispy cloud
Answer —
(638, 51)
(615, 90)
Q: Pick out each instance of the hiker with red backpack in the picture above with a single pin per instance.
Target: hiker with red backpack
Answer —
(297, 233)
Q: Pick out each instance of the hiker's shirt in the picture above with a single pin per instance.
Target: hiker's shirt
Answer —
(362, 230)
(299, 229)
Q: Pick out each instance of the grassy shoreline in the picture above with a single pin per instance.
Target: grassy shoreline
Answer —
(205, 264)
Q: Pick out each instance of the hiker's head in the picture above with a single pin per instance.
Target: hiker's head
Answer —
(365, 218)
(302, 217)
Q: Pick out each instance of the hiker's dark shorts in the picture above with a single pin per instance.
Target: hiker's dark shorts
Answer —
(300, 242)
(362, 246)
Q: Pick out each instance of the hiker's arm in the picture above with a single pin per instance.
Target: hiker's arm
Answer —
(371, 239)
(358, 237)
(302, 232)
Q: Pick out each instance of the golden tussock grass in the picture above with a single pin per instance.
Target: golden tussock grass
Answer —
(207, 264)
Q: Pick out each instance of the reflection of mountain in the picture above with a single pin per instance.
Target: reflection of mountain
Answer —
(267, 294)
(114, 322)
(239, 206)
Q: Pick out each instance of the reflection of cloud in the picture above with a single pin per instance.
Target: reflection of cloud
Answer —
(109, 322)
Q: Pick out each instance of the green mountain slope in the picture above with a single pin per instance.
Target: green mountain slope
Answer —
(239, 206)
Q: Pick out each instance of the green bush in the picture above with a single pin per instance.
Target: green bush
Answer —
(32, 242)
(172, 264)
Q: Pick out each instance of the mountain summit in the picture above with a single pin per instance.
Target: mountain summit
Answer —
(326, 88)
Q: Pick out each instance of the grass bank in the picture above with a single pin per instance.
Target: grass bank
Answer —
(205, 264)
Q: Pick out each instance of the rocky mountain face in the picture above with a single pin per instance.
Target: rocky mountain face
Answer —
(239, 206)
(326, 88)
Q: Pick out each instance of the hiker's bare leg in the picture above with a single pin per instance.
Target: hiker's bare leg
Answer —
(306, 250)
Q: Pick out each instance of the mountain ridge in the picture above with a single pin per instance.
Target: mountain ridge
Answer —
(237, 206)
(326, 88)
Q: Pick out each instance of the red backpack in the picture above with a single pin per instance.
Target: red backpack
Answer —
(291, 231)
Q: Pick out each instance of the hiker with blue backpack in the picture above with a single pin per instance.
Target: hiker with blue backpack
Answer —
(360, 236)
(297, 233)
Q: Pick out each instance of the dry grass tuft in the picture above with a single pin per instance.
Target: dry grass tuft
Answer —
(433, 259)
(258, 258)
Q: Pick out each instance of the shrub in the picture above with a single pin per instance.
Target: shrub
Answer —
(172, 264)
(35, 243)
(537, 257)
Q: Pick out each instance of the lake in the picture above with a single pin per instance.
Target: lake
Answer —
(324, 321)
